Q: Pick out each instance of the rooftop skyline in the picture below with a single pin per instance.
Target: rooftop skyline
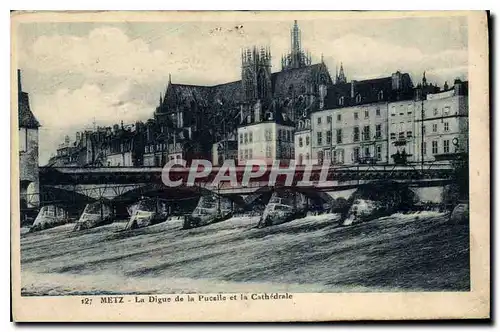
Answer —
(78, 72)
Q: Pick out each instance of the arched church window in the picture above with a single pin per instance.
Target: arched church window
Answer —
(358, 98)
(341, 100)
(262, 85)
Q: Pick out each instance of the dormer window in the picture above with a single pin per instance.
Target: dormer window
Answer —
(341, 100)
(358, 98)
(380, 95)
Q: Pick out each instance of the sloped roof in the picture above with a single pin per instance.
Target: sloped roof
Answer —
(227, 93)
(184, 93)
(294, 78)
(369, 91)
(231, 93)
(26, 118)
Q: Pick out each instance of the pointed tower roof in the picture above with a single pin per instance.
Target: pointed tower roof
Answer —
(341, 78)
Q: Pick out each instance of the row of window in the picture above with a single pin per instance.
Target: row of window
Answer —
(401, 135)
(155, 147)
(355, 116)
(365, 135)
(336, 156)
(286, 152)
(285, 135)
(301, 141)
(446, 127)
(359, 99)
(402, 110)
(446, 110)
(435, 146)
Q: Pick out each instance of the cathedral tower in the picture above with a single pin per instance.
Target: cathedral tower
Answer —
(297, 58)
(256, 74)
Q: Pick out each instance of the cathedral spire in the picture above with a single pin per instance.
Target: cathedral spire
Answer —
(341, 78)
(295, 38)
(297, 58)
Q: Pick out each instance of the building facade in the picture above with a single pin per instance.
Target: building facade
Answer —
(402, 131)
(302, 142)
(268, 140)
(353, 126)
(444, 123)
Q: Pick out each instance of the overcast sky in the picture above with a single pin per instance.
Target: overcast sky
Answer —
(77, 73)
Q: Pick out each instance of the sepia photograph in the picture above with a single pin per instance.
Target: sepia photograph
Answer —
(239, 157)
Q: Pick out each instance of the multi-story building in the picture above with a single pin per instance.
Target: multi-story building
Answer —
(403, 140)
(120, 145)
(267, 138)
(445, 123)
(226, 149)
(353, 127)
(302, 142)
(28, 151)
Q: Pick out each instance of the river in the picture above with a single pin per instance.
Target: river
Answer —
(411, 252)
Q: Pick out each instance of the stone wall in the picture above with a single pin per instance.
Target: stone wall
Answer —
(28, 167)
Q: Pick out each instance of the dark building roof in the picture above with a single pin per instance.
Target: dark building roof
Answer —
(26, 117)
(396, 87)
(286, 81)
(186, 94)
(230, 94)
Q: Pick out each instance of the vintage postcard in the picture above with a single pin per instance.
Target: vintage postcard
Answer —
(250, 166)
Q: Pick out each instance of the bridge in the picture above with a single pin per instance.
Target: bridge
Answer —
(70, 185)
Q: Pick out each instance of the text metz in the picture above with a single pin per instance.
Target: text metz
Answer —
(112, 299)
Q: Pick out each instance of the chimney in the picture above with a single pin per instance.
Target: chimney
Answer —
(353, 82)
(458, 87)
(19, 84)
(418, 93)
(396, 81)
